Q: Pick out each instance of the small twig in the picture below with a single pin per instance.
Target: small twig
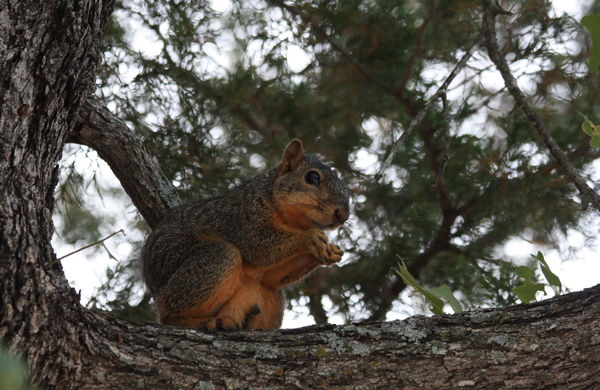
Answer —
(440, 157)
(488, 28)
(110, 255)
(416, 121)
(445, 139)
(84, 247)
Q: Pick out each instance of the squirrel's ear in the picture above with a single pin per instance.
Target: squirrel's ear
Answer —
(292, 155)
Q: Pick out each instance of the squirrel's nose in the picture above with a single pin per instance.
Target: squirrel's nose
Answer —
(341, 215)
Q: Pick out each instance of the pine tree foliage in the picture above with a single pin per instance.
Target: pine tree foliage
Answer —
(217, 94)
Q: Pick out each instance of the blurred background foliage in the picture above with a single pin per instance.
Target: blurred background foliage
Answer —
(217, 89)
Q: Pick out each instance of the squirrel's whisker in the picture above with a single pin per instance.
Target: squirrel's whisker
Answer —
(307, 205)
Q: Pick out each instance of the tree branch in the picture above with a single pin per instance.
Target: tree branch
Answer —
(478, 349)
(149, 189)
(437, 167)
(416, 121)
(488, 28)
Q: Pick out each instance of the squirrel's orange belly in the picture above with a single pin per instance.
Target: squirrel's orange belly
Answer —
(240, 300)
(270, 301)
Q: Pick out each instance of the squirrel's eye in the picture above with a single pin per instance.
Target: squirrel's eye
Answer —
(313, 177)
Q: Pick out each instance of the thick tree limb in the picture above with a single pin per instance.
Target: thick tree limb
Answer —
(137, 170)
(491, 9)
(550, 344)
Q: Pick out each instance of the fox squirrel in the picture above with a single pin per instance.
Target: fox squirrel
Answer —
(221, 263)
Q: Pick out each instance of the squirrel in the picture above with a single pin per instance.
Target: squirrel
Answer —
(221, 263)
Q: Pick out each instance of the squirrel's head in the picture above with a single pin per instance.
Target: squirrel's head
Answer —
(307, 193)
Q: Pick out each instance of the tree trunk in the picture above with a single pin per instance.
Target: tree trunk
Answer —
(48, 53)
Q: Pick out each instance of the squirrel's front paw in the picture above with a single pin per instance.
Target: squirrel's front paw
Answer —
(323, 251)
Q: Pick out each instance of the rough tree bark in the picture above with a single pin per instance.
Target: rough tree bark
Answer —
(47, 54)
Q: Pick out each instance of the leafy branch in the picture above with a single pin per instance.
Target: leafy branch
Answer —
(435, 296)
(526, 292)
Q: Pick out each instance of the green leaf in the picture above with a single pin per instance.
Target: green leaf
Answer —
(436, 303)
(539, 256)
(551, 277)
(525, 272)
(432, 295)
(588, 127)
(445, 293)
(592, 23)
(13, 371)
(595, 142)
(526, 291)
